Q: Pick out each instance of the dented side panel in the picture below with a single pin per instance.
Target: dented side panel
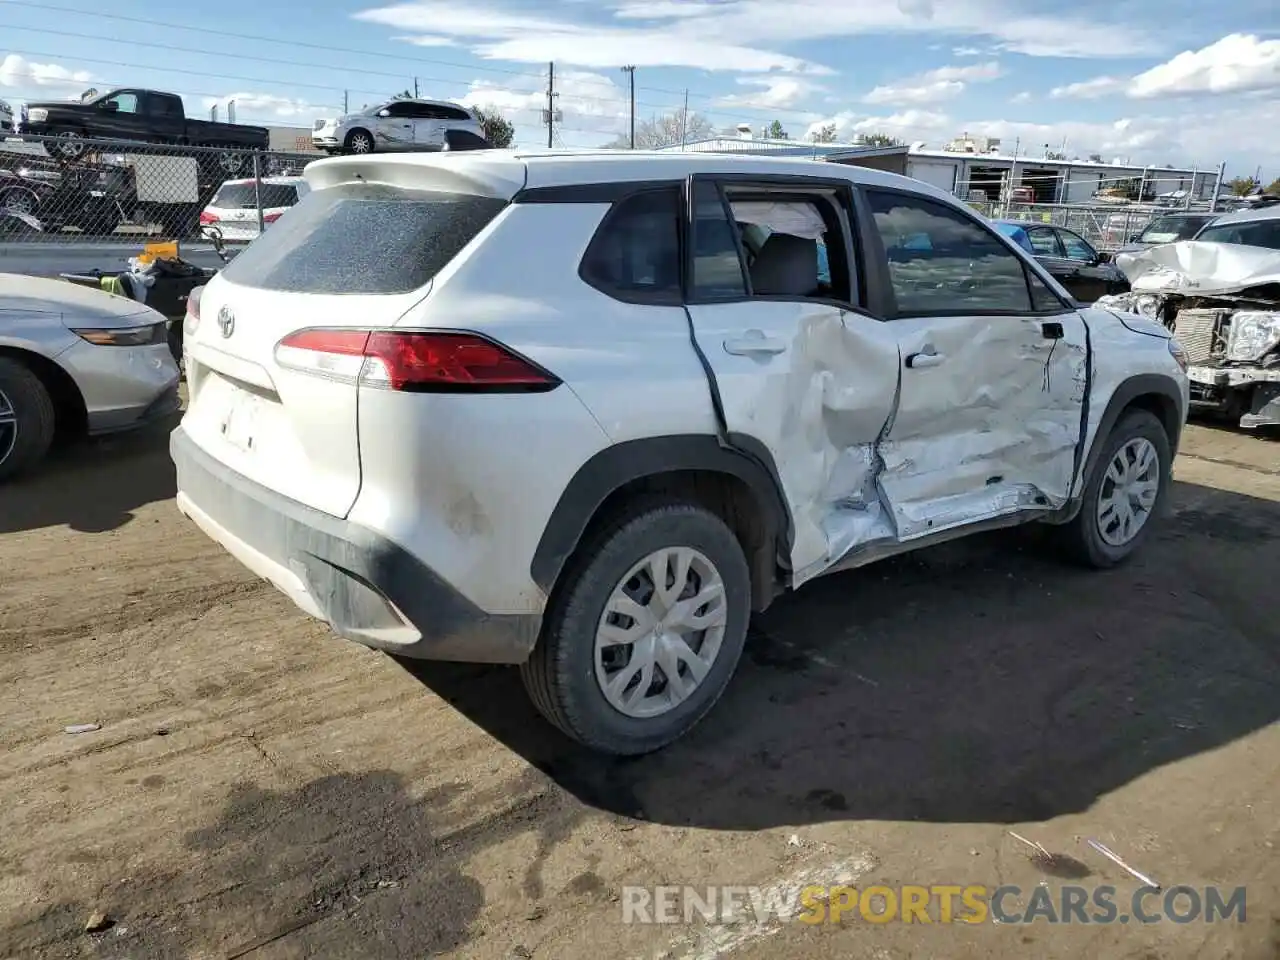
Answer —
(818, 394)
(990, 430)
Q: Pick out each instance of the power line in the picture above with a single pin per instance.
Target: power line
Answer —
(746, 106)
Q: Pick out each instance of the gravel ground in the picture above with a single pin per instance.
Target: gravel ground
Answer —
(261, 789)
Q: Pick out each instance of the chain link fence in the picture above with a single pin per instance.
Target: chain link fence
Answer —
(52, 191)
(1105, 226)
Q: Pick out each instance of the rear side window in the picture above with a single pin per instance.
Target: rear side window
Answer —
(1259, 233)
(635, 254)
(363, 238)
(241, 196)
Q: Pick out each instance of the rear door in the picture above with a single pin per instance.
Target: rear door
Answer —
(428, 126)
(803, 375)
(354, 255)
(989, 412)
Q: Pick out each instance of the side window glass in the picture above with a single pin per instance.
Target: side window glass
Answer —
(126, 102)
(1076, 248)
(1043, 300)
(635, 254)
(401, 110)
(717, 270)
(1044, 242)
(942, 261)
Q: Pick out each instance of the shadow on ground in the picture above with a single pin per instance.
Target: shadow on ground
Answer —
(980, 681)
(93, 485)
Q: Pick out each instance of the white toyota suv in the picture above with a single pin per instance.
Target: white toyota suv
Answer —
(587, 412)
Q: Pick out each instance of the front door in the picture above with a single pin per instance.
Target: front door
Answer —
(396, 130)
(798, 369)
(428, 128)
(1093, 277)
(989, 411)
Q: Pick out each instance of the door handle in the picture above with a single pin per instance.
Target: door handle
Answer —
(925, 359)
(755, 342)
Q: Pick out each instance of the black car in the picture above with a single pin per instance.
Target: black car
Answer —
(1169, 228)
(1086, 273)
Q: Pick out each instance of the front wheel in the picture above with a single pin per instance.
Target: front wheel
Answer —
(644, 635)
(1127, 487)
(69, 146)
(359, 141)
(26, 418)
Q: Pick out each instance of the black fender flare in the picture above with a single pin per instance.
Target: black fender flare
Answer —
(614, 467)
(1171, 410)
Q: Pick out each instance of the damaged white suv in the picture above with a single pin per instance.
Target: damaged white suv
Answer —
(586, 412)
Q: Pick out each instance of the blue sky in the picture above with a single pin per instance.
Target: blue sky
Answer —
(1149, 80)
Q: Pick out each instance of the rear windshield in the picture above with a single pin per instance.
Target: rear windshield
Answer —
(362, 238)
(240, 196)
(1256, 233)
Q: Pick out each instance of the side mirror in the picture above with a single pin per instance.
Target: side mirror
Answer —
(1104, 256)
(384, 113)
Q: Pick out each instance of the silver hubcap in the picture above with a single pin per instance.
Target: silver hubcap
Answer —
(360, 144)
(231, 162)
(71, 145)
(8, 427)
(660, 632)
(20, 202)
(1129, 490)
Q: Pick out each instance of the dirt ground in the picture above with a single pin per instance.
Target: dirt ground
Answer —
(261, 789)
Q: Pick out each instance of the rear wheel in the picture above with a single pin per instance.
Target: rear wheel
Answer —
(69, 146)
(1122, 495)
(26, 418)
(359, 141)
(647, 629)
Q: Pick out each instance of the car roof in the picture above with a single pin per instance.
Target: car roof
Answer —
(1247, 216)
(503, 173)
(1020, 224)
(425, 101)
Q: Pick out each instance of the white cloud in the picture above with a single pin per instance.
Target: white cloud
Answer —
(773, 92)
(1089, 89)
(1236, 63)
(428, 40)
(966, 52)
(22, 74)
(1023, 97)
(268, 105)
(944, 83)
(907, 125)
(744, 36)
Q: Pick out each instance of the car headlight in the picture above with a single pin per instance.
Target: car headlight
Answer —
(37, 115)
(143, 336)
(1253, 334)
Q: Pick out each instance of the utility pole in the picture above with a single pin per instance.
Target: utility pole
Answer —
(630, 69)
(346, 107)
(684, 121)
(415, 87)
(551, 104)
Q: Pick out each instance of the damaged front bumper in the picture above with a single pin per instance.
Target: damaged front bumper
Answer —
(1219, 390)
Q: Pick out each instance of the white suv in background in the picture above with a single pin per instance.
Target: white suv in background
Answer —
(585, 413)
(233, 211)
(397, 125)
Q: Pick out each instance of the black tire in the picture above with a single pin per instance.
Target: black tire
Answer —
(355, 139)
(68, 147)
(560, 674)
(1082, 537)
(20, 200)
(24, 393)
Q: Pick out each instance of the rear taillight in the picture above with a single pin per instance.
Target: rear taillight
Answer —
(414, 362)
(192, 318)
(207, 217)
(271, 217)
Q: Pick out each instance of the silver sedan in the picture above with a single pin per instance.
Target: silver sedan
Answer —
(76, 360)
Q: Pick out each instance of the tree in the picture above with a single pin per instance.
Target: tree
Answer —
(1273, 187)
(775, 131)
(404, 95)
(826, 134)
(1242, 186)
(670, 129)
(881, 140)
(1095, 157)
(498, 130)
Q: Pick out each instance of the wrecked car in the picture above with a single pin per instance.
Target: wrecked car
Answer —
(1221, 300)
(706, 381)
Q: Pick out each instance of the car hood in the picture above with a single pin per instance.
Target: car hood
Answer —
(1198, 268)
(69, 303)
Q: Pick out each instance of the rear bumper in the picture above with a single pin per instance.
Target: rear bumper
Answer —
(365, 587)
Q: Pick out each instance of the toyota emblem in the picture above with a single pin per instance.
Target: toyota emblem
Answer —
(226, 321)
